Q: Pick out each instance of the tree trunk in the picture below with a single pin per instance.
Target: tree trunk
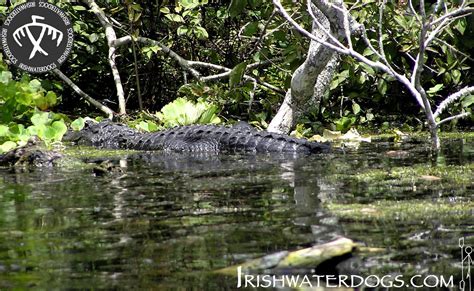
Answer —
(313, 72)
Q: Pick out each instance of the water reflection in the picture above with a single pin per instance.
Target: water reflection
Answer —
(168, 220)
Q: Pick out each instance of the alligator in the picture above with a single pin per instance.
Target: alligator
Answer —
(192, 138)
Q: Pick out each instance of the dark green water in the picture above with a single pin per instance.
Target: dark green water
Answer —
(168, 221)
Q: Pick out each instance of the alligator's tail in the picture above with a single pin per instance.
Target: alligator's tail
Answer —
(194, 138)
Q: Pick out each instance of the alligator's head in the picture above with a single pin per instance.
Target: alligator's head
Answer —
(84, 136)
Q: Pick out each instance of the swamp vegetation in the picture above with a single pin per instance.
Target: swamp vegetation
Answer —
(400, 194)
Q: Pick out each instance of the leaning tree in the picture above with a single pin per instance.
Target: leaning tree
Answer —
(334, 30)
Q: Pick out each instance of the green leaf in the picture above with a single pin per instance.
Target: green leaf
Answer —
(250, 29)
(7, 146)
(461, 25)
(236, 74)
(35, 85)
(368, 69)
(189, 4)
(201, 32)
(79, 8)
(59, 129)
(467, 101)
(40, 118)
(4, 130)
(5, 77)
(182, 30)
(174, 17)
(382, 86)
(236, 7)
(435, 89)
(456, 76)
(93, 37)
(184, 112)
(355, 108)
(51, 98)
(78, 124)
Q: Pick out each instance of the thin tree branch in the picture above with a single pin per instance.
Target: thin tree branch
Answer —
(451, 98)
(83, 94)
(462, 115)
(181, 61)
(111, 37)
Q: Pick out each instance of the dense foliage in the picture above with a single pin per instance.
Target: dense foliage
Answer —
(24, 111)
(232, 34)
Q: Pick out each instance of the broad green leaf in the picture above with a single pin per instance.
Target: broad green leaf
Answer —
(5, 77)
(78, 124)
(148, 126)
(250, 29)
(182, 30)
(237, 74)
(152, 126)
(7, 146)
(382, 86)
(93, 37)
(24, 98)
(4, 130)
(368, 69)
(51, 98)
(355, 108)
(35, 85)
(461, 25)
(200, 32)
(468, 101)
(435, 89)
(165, 10)
(189, 4)
(456, 76)
(236, 7)
(40, 118)
(59, 129)
(174, 17)
(184, 112)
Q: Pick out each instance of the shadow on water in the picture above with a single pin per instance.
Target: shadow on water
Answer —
(167, 220)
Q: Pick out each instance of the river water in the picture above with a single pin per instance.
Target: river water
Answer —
(168, 221)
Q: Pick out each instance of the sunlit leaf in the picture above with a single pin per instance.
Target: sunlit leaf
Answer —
(237, 74)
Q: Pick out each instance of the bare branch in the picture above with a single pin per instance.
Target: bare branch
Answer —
(189, 65)
(462, 115)
(262, 34)
(111, 37)
(451, 98)
(458, 12)
(412, 8)
(181, 61)
(83, 94)
(452, 48)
